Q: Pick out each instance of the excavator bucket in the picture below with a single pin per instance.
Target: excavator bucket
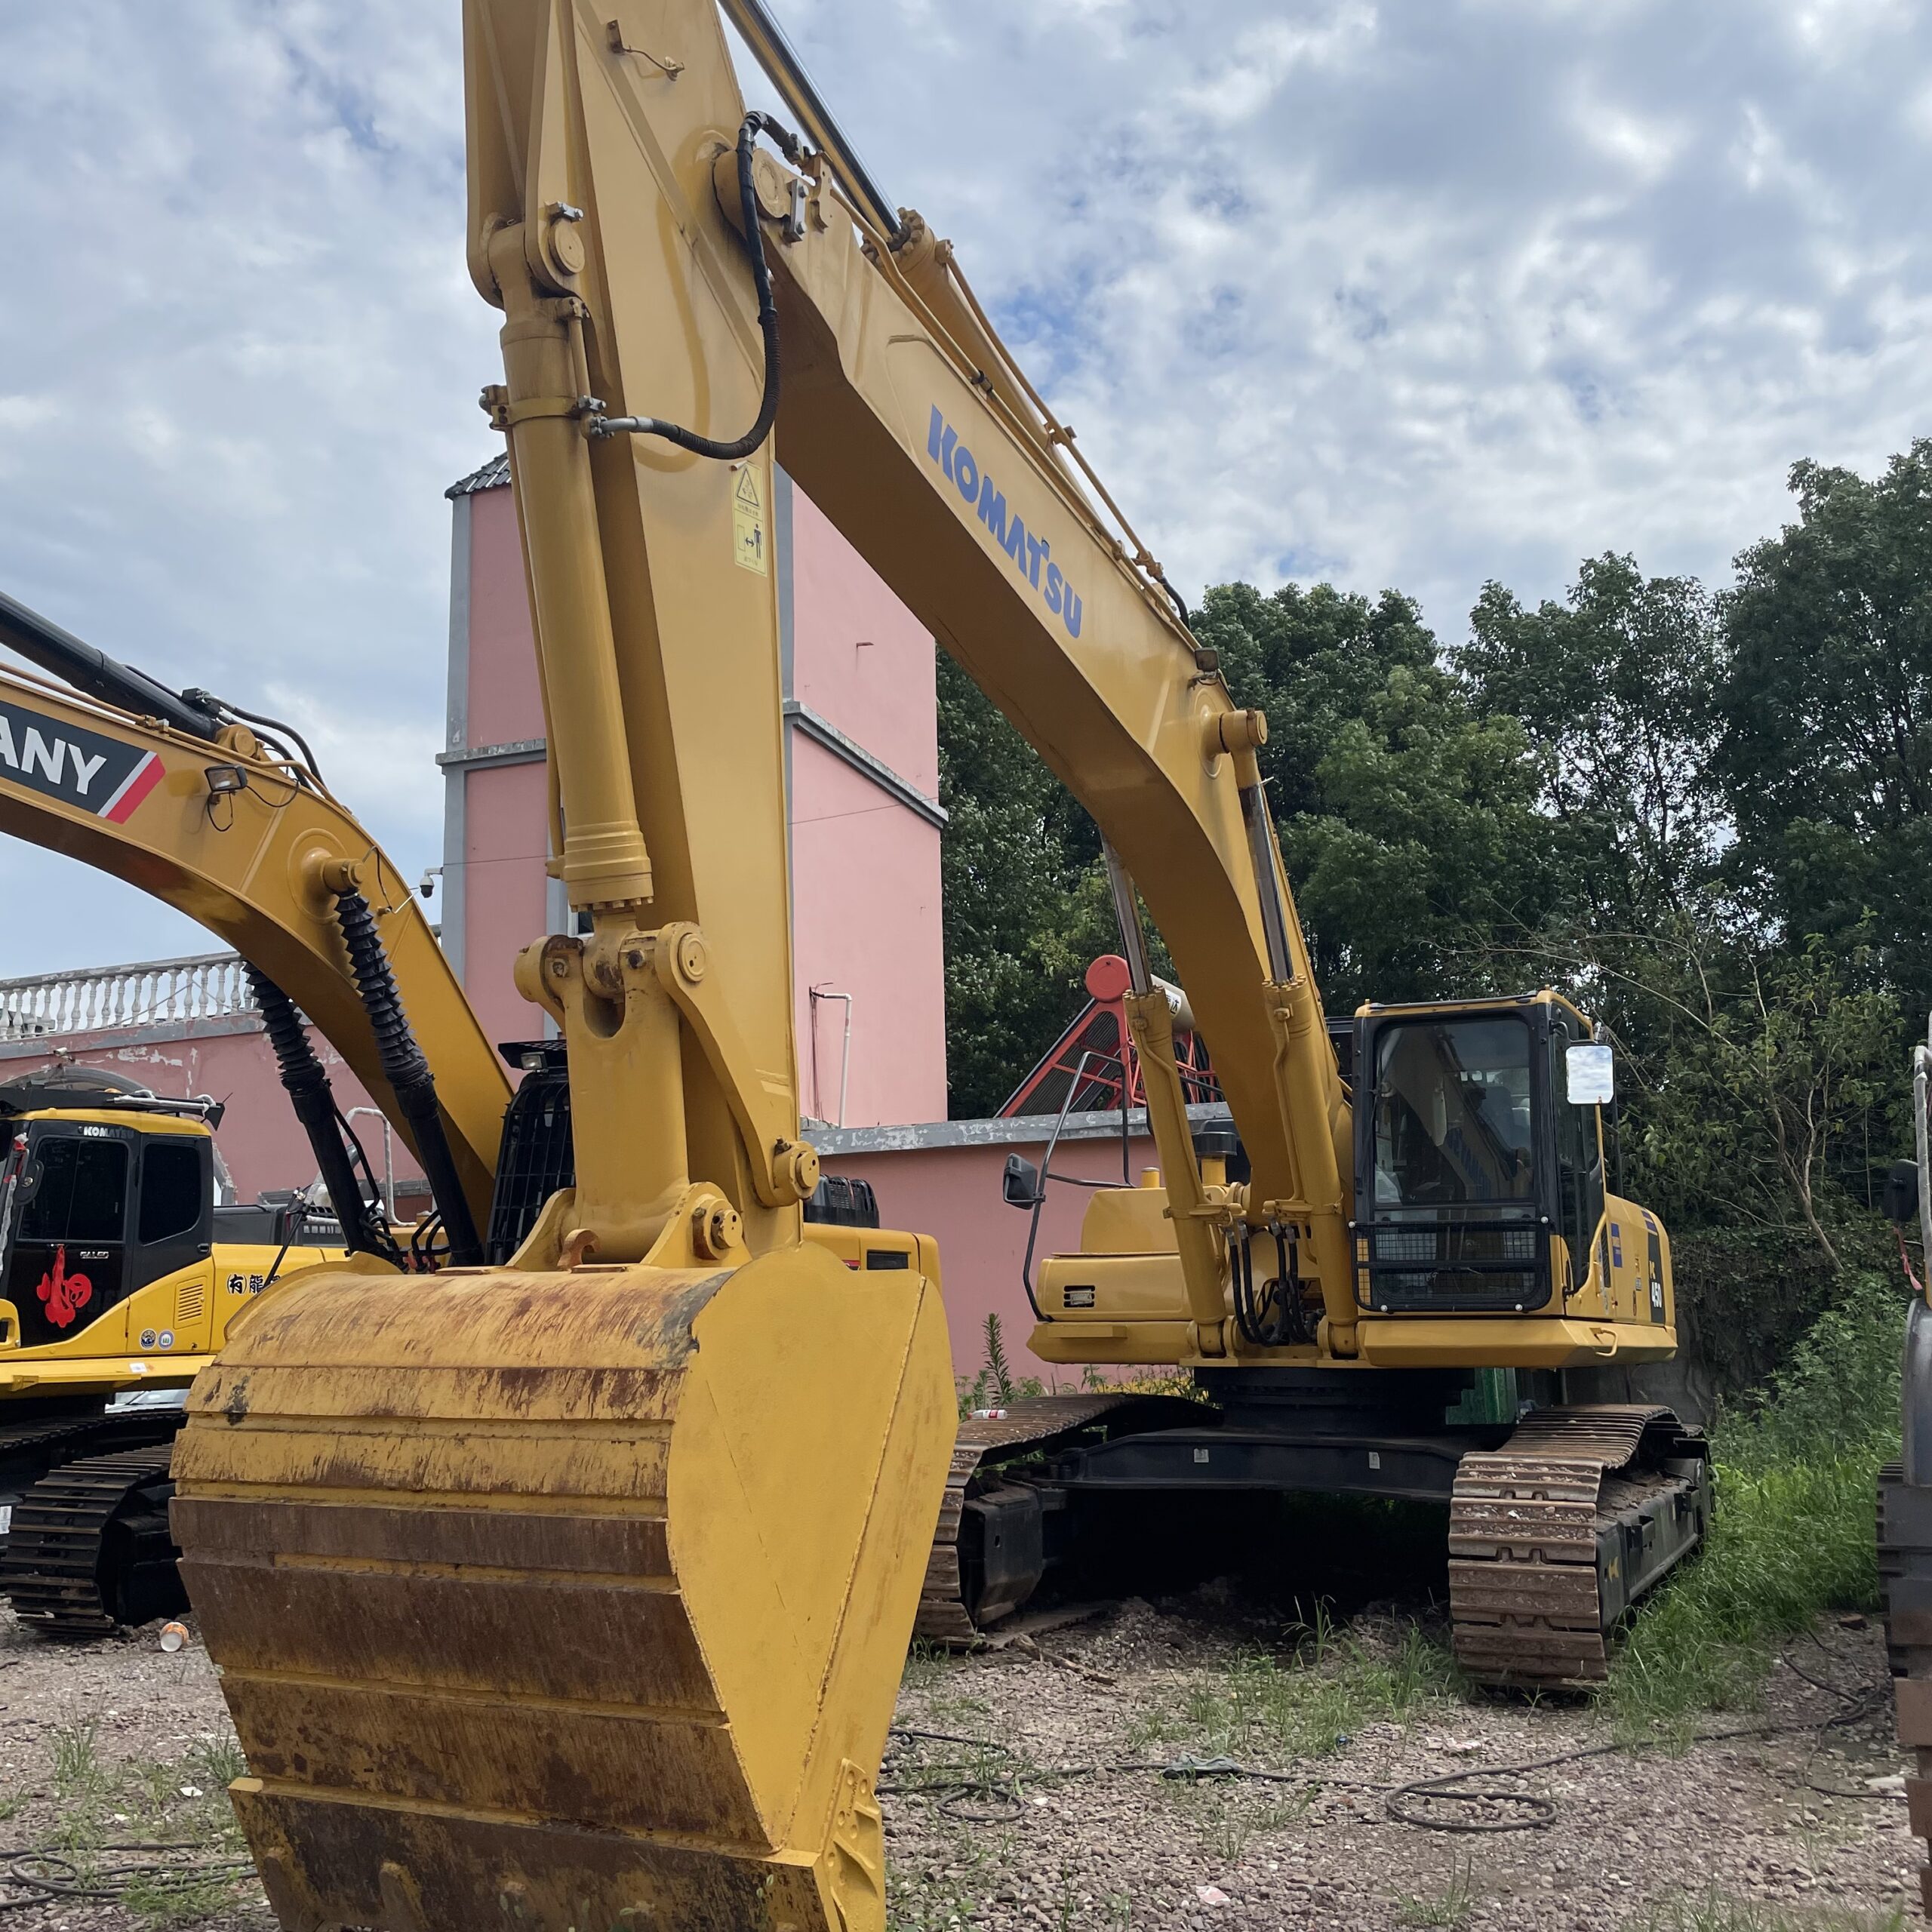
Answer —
(574, 1599)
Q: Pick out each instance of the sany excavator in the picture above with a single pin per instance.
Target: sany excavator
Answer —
(575, 1592)
(119, 1273)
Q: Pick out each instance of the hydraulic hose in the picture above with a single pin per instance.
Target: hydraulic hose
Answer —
(314, 1102)
(768, 315)
(408, 1073)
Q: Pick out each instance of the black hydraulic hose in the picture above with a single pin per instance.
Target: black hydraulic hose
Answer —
(41, 641)
(767, 316)
(1180, 602)
(408, 1073)
(314, 1102)
(221, 706)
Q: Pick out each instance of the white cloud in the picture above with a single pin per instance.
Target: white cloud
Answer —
(1414, 293)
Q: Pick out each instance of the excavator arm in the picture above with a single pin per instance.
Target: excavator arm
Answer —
(200, 813)
(609, 218)
(904, 418)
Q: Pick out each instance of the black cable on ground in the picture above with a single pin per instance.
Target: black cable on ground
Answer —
(955, 1785)
(33, 1878)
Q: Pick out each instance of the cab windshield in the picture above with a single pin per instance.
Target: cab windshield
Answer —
(1452, 1112)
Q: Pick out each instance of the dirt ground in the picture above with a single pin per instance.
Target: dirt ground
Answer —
(1019, 1816)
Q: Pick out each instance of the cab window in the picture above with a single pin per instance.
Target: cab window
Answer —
(1452, 1122)
(83, 1191)
(171, 1187)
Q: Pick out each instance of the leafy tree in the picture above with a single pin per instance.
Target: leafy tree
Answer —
(1406, 820)
(1615, 686)
(1026, 909)
(1825, 709)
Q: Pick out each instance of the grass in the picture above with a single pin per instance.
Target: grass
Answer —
(1452, 1907)
(1227, 1818)
(78, 1770)
(1263, 1709)
(1794, 1535)
(1712, 1913)
(199, 1870)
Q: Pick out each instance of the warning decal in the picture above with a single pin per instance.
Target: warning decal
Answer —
(748, 538)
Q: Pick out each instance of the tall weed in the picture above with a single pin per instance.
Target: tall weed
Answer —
(1795, 1533)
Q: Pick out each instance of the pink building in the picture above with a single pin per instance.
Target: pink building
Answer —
(862, 765)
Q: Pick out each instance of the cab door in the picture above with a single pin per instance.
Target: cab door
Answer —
(68, 1265)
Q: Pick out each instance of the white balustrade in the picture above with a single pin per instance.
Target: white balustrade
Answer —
(105, 999)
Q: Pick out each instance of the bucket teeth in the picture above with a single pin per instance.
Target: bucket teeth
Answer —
(546, 1600)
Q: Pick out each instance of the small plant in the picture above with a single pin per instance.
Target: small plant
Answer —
(1452, 1907)
(215, 1763)
(158, 1782)
(166, 1898)
(996, 1367)
(78, 1770)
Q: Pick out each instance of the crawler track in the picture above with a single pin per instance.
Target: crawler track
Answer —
(1031, 1423)
(79, 1535)
(1554, 1535)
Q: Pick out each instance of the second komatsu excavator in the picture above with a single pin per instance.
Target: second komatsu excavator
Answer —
(574, 1591)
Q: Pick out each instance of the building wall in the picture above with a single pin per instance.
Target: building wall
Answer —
(862, 757)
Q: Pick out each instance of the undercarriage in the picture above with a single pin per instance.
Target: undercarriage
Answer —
(1557, 1523)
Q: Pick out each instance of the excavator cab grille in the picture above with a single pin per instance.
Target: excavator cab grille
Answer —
(537, 1155)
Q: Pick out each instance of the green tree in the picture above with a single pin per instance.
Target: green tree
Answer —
(1025, 908)
(1825, 710)
(1615, 686)
(1408, 820)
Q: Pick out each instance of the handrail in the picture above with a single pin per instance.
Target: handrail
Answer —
(44, 1006)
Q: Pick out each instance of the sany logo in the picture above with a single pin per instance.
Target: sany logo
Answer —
(103, 775)
(1028, 552)
(65, 1294)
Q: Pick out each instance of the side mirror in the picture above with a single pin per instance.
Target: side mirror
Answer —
(1900, 1197)
(1592, 1076)
(1019, 1185)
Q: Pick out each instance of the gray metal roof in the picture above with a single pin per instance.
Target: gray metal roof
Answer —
(495, 475)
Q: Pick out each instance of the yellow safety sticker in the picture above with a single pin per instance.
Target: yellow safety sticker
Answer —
(748, 538)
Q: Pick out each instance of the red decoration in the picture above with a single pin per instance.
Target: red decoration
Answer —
(65, 1294)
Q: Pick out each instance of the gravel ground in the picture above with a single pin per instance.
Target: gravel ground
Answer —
(117, 1741)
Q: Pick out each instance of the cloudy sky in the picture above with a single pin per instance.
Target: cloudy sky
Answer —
(1408, 292)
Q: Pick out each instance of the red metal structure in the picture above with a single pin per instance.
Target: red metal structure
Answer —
(1094, 1054)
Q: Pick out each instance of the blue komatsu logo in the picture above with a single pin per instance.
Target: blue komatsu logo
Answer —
(1032, 558)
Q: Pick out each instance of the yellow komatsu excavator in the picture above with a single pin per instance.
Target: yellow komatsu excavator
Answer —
(119, 1273)
(574, 1591)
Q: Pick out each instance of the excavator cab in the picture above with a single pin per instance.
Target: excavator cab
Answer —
(95, 1208)
(1479, 1182)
